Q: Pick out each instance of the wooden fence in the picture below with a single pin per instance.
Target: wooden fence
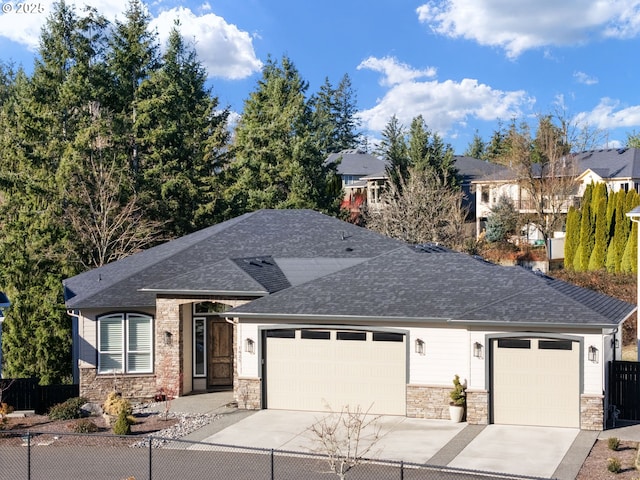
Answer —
(624, 389)
(27, 394)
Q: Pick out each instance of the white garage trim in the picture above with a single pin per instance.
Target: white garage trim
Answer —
(323, 369)
(536, 380)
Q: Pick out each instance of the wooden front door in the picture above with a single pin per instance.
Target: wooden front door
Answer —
(220, 353)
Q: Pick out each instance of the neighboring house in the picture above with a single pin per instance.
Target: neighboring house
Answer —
(364, 179)
(297, 310)
(618, 168)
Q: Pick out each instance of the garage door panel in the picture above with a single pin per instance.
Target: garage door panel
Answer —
(536, 386)
(321, 375)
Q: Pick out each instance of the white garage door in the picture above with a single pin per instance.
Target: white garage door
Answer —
(323, 370)
(536, 382)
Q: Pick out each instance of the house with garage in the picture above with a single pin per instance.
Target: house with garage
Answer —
(293, 309)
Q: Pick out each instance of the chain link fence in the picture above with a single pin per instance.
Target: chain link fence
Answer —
(64, 456)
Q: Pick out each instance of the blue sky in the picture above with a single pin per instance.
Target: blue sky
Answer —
(464, 65)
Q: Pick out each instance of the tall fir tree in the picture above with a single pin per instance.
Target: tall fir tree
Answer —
(277, 163)
(393, 149)
(176, 123)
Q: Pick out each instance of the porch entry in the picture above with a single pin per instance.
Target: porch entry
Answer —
(213, 344)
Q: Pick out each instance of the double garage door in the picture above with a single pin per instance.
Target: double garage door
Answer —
(326, 370)
(535, 381)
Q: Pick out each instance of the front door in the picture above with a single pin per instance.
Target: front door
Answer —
(220, 353)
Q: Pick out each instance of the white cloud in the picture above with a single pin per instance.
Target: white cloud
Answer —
(584, 78)
(609, 115)
(444, 105)
(25, 28)
(225, 51)
(517, 26)
(394, 71)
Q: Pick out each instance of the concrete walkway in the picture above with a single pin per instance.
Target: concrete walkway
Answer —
(529, 451)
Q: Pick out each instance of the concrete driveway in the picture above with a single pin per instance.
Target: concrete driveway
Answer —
(520, 450)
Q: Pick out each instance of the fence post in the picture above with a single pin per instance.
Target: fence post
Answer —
(28, 455)
(272, 472)
(150, 450)
(402, 470)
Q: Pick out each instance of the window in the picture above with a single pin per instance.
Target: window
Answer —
(199, 335)
(125, 343)
(513, 343)
(315, 334)
(387, 337)
(357, 336)
(210, 307)
(555, 344)
(281, 333)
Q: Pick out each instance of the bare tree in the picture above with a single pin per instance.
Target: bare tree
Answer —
(421, 209)
(109, 223)
(546, 172)
(347, 438)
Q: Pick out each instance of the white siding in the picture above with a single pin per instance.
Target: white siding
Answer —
(248, 363)
(446, 354)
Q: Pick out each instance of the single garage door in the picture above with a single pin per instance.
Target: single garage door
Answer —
(326, 370)
(536, 382)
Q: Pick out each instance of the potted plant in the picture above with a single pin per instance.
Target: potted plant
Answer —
(458, 398)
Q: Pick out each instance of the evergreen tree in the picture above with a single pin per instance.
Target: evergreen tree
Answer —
(629, 262)
(175, 127)
(277, 163)
(586, 230)
(131, 58)
(502, 221)
(477, 148)
(620, 234)
(598, 254)
(393, 148)
(426, 150)
(572, 237)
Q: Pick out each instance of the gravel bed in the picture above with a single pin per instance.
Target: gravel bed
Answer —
(187, 423)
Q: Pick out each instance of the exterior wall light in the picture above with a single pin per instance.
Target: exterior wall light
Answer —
(419, 346)
(249, 346)
(477, 350)
(593, 354)
(168, 338)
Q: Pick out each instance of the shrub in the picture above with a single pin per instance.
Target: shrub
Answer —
(614, 443)
(613, 465)
(67, 410)
(84, 426)
(114, 404)
(122, 425)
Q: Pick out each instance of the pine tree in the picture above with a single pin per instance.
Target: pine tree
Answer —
(277, 163)
(393, 148)
(175, 129)
(620, 234)
(477, 148)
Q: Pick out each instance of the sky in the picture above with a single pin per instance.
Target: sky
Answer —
(466, 66)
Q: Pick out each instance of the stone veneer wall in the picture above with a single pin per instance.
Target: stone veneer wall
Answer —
(592, 412)
(477, 407)
(248, 393)
(428, 401)
(96, 387)
(168, 356)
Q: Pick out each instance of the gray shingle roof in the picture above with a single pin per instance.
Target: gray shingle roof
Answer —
(355, 162)
(440, 287)
(277, 233)
(608, 163)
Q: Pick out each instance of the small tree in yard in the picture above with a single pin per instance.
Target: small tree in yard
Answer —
(502, 221)
(347, 438)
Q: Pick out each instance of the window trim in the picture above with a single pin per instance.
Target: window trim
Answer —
(125, 340)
